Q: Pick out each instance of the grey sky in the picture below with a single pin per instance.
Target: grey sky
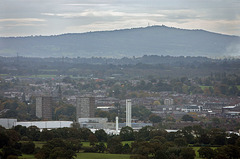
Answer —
(51, 17)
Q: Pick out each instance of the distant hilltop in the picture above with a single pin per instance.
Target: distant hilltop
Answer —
(152, 40)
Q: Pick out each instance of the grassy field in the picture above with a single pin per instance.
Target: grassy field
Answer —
(238, 86)
(39, 143)
(103, 155)
(203, 87)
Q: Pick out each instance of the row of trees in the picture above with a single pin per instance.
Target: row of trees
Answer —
(148, 142)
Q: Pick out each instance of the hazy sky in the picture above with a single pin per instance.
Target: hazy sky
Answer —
(51, 17)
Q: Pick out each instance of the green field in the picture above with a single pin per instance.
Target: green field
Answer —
(203, 87)
(104, 155)
(238, 86)
(99, 155)
(39, 143)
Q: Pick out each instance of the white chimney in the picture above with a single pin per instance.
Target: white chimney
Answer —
(116, 124)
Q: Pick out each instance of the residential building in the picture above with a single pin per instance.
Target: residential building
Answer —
(85, 107)
(44, 107)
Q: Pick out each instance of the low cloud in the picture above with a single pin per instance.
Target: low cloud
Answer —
(22, 20)
(110, 13)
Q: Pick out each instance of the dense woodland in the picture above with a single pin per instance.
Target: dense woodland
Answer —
(127, 68)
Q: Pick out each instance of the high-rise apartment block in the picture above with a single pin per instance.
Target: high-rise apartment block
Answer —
(44, 108)
(128, 112)
(85, 107)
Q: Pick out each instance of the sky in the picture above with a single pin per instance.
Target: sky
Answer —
(53, 17)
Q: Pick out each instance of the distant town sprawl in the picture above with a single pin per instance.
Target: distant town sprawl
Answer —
(207, 89)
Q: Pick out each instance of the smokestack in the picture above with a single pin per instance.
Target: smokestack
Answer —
(128, 112)
(116, 124)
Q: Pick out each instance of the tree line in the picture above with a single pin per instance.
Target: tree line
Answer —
(147, 143)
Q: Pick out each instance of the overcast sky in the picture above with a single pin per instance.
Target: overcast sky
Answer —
(51, 17)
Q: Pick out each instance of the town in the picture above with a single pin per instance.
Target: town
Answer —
(112, 102)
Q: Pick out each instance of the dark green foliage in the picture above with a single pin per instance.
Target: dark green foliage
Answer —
(92, 139)
(155, 118)
(22, 130)
(141, 112)
(204, 139)
(180, 142)
(4, 139)
(10, 151)
(114, 145)
(187, 118)
(127, 134)
(28, 147)
(126, 149)
(144, 133)
(187, 153)
(101, 135)
(33, 133)
(101, 147)
(206, 152)
(56, 148)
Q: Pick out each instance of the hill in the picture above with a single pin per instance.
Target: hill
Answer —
(154, 40)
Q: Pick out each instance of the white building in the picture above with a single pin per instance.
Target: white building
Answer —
(46, 124)
(7, 123)
(192, 108)
(96, 123)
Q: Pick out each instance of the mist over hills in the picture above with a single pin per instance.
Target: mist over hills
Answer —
(154, 40)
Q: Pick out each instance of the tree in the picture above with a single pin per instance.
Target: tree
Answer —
(85, 132)
(28, 147)
(33, 133)
(4, 139)
(101, 135)
(46, 135)
(180, 142)
(60, 152)
(92, 139)
(10, 151)
(144, 133)
(126, 149)
(127, 134)
(187, 153)
(204, 139)
(114, 145)
(56, 148)
(187, 118)
(22, 130)
(232, 139)
(101, 147)
(206, 152)
(155, 118)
